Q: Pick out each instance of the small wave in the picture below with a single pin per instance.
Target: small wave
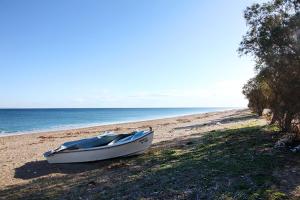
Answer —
(50, 129)
(7, 133)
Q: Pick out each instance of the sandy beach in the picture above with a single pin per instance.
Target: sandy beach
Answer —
(191, 156)
(21, 150)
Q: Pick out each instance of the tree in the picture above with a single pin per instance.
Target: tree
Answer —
(273, 40)
(253, 91)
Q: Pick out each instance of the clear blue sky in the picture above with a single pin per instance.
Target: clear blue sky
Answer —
(133, 53)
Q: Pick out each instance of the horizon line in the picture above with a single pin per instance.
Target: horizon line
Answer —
(117, 107)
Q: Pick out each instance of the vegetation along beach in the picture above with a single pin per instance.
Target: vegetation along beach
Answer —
(150, 100)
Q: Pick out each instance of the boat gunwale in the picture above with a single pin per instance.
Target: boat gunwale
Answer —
(98, 148)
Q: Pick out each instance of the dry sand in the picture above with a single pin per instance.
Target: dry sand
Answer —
(18, 152)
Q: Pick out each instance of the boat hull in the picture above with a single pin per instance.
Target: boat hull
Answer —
(102, 153)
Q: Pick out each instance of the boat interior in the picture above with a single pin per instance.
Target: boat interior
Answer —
(101, 140)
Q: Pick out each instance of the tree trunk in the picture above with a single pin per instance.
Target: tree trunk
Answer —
(287, 124)
(274, 118)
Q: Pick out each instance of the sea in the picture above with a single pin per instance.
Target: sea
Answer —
(24, 121)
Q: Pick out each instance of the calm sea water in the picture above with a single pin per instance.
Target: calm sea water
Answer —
(20, 121)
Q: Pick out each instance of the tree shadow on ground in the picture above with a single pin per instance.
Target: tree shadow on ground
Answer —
(235, 163)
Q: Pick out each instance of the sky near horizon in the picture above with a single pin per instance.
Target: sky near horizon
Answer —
(134, 53)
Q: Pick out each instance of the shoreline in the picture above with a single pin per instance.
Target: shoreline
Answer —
(22, 155)
(95, 125)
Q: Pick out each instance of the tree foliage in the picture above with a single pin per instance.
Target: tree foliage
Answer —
(273, 39)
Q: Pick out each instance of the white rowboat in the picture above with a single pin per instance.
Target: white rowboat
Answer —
(105, 146)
